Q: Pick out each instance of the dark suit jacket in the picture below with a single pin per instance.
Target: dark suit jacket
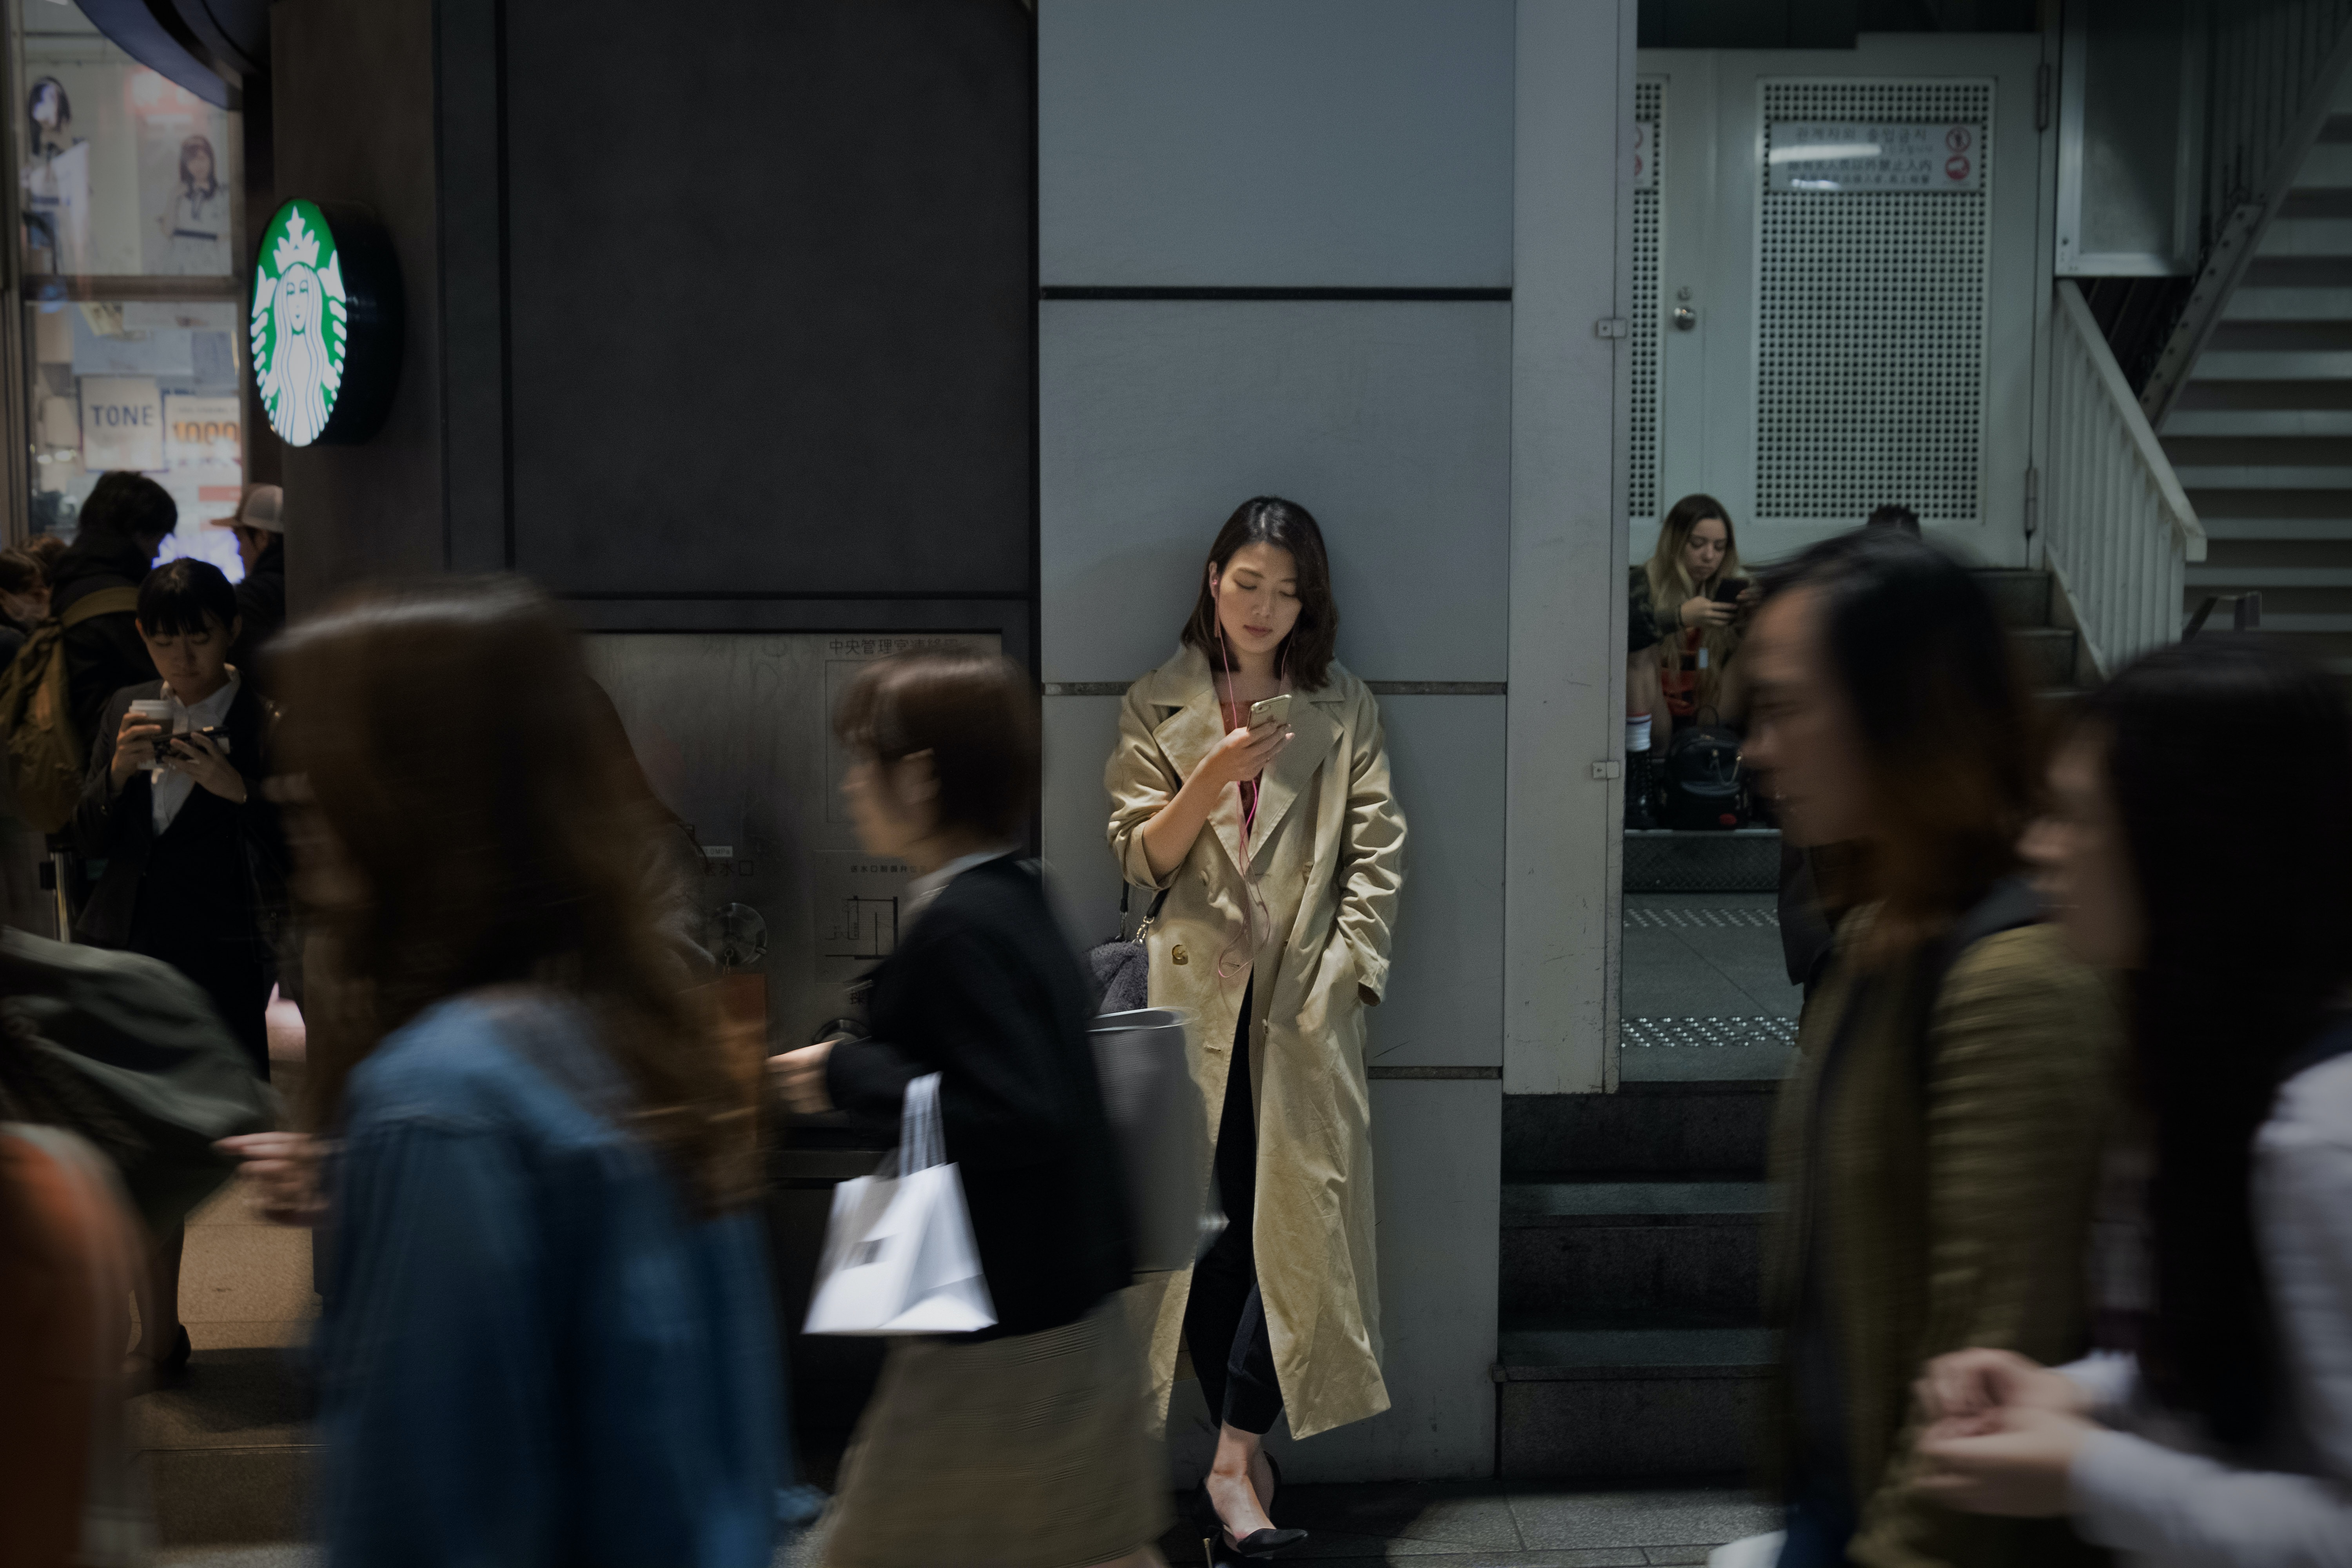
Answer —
(204, 876)
(103, 654)
(984, 989)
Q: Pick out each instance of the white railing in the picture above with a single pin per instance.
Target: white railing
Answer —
(2116, 526)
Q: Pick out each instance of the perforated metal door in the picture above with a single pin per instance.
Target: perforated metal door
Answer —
(1848, 346)
(1871, 316)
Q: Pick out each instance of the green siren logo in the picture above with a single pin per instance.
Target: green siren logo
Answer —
(301, 322)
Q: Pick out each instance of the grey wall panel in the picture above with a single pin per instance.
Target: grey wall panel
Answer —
(1390, 421)
(1444, 1005)
(1079, 734)
(781, 342)
(1363, 143)
(352, 88)
(1437, 1170)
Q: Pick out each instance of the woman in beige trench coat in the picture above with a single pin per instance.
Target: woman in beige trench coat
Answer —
(1281, 851)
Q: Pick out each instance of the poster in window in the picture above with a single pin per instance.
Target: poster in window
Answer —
(121, 423)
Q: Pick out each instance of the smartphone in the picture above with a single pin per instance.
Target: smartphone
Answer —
(1274, 710)
(1730, 588)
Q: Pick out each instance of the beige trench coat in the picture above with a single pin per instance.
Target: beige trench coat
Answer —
(1328, 855)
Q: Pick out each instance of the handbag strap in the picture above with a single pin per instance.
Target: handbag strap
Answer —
(921, 1143)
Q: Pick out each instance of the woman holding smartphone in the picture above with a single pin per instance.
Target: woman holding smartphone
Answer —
(1251, 786)
(1687, 608)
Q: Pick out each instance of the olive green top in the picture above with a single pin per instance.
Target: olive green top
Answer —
(1964, 1222)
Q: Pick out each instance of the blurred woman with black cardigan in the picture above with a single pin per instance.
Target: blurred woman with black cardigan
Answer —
(1025, 1444)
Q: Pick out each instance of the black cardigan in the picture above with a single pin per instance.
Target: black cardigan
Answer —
(984, 989)
(224, 864)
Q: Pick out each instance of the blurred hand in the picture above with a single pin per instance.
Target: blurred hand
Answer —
(134, 748)
(1702, 612)
(280, 1173)
(1242, 754)
(201, 758)
(2018, 1468)
(1972, 1384)
(800, 1075)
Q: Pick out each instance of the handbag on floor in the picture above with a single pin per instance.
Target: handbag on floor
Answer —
(898, 1254)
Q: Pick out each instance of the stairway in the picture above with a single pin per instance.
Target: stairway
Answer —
(2261, 433)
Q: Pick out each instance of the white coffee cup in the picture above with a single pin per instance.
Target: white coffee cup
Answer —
(157, 711)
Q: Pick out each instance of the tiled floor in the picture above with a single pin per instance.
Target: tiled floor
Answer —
(228, 1455)
(1495, 1525)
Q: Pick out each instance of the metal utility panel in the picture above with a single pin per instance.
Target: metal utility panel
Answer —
(1839, 262)
(2131, 127)
(734, 730)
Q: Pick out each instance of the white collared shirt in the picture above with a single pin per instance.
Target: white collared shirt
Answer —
(169, 789)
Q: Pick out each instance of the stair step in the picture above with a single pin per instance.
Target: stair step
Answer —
(2275, 527)
(2276, 303)
(1646, 1128)
(2304, 201)
(2307, 236)
(2020, 595)
(2238, 578)
(2046, 655)
(1647, 1249)
(1629, 1402)
(2260, 423)
(2201, 393)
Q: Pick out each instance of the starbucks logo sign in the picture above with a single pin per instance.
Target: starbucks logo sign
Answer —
(325, 324)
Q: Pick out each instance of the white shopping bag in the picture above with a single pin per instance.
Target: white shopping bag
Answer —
(898, 1254)
(1748, 1551)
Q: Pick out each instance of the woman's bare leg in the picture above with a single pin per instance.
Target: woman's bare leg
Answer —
(158, 1296)
(1644, 694)
(1239, 1481)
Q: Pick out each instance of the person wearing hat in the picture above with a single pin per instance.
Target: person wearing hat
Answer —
(259, 525)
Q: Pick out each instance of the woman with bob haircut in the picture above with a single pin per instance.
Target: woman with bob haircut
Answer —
(1024, 1445)
(1937, 1145)
(548, 1335)
(2227, 1439)
(1280, 853)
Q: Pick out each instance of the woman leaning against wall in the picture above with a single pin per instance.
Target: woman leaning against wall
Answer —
(1280, 851)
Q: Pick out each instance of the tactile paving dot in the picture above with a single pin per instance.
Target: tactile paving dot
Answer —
(1699, 1033)
(1695, 919)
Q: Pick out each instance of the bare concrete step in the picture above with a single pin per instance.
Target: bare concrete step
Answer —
(2045, 655)
(1710, 1129)
(1629, 1402)
(1611, 1247)
(2022, 596)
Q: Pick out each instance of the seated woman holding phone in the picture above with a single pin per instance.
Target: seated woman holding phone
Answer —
(1688, 608)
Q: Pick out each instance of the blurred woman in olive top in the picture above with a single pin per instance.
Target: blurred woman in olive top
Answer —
(1938, 1147)
(1281, 850)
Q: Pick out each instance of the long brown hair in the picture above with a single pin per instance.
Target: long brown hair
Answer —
(453, 746)
(1949, 737)
(1305, 653)
(1671, 585)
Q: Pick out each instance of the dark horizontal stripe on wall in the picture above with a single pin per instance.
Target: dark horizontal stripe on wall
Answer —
(1378, 687)
(1434, 1072)
(754, 595)
(1125, 291)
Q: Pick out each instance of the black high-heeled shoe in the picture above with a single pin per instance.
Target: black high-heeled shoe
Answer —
(1223, 1546)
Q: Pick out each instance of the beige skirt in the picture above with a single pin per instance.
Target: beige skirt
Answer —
(1027, 1452)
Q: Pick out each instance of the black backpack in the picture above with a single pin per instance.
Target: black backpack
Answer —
(1705, 785)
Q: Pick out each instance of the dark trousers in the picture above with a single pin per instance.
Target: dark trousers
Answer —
(1224, 1316)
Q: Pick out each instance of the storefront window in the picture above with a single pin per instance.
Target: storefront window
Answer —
(131, 229)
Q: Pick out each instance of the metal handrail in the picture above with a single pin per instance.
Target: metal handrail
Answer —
(2117, 528)
(2075, 313)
